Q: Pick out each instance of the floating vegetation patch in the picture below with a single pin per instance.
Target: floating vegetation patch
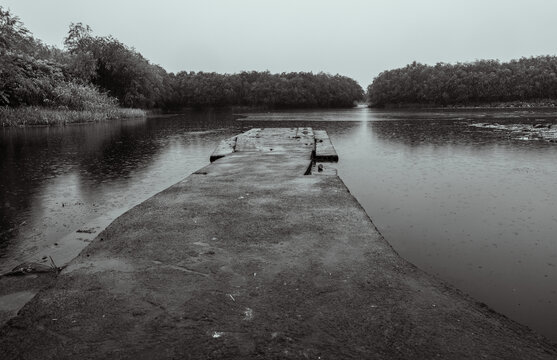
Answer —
(540, 131)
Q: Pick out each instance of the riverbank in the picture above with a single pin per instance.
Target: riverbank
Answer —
(535, 104)
(41, 116)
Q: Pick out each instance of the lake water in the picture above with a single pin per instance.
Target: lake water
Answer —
(473, 205)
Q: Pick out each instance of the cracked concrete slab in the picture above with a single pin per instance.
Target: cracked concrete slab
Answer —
(248, 258)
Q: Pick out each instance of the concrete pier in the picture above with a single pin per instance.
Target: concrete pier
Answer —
(263, 254)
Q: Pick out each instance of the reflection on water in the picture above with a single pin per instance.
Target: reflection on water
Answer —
(56, 181)
(472, 208)
(469, 204)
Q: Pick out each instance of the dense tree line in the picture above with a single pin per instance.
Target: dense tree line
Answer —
(265, 89)
(101, 71)
(32, 73)
(482, 81)
(115, 68)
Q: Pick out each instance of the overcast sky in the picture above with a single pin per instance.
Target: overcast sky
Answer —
(355, 38)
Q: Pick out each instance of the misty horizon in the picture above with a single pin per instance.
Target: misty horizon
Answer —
(356, 39)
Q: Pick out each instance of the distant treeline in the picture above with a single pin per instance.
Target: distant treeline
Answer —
(482, 81)
(93, 72)
(266, 89)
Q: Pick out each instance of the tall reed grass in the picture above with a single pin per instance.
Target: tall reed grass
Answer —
(35, 115)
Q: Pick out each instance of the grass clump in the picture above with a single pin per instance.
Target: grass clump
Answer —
(36, 115)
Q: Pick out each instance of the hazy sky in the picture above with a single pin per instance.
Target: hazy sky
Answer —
(351, 37)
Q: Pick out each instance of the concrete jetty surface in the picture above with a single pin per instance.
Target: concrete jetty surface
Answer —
(249, 258)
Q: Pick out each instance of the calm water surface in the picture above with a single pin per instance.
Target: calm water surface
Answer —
(471, 205)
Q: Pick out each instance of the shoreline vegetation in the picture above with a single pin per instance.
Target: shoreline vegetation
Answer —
(533, 104)
(522, 83)
(93, 77)
(41, 116)
(98, 78)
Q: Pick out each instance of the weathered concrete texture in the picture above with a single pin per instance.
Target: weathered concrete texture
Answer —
(324, 149)
(224, 148)
(278, 140)
(250, 259)
(16, 291)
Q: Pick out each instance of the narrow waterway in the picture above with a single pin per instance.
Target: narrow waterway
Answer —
(473, 205)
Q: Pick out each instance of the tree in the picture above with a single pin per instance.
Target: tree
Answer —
(478, 82)
(13, 34)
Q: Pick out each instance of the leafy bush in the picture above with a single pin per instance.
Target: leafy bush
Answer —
(71, 95)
